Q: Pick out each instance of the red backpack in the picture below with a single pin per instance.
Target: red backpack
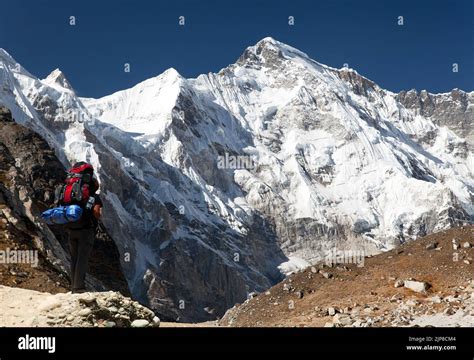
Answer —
(78, 187)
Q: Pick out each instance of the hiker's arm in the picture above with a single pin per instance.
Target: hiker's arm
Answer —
(97, 209)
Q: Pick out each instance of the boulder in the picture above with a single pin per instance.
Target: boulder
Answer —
(342, 319)
(417, 286)
(326, 275)
(140, 323)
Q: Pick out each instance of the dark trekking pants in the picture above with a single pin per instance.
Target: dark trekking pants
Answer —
(81, 242)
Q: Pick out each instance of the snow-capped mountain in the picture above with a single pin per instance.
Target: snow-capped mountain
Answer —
(216, 186)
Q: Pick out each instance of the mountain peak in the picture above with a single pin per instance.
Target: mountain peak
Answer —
(271, 44)
(4, 53)
(11, 64)
(171, 73)
(57, 77)
(5, 56)
(270, 51)
(268, 40)
(7, 59)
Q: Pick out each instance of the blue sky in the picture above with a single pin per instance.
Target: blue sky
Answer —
(365, 34)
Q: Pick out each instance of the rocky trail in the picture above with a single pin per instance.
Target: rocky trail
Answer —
(428, 282)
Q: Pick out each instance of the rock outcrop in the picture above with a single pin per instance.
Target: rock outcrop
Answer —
(454, 110)
(29, 308)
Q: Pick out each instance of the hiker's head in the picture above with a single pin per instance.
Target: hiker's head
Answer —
(82, 167)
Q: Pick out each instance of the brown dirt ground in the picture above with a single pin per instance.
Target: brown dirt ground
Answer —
(372, 284)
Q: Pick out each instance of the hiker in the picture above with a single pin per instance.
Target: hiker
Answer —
(81, 189)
